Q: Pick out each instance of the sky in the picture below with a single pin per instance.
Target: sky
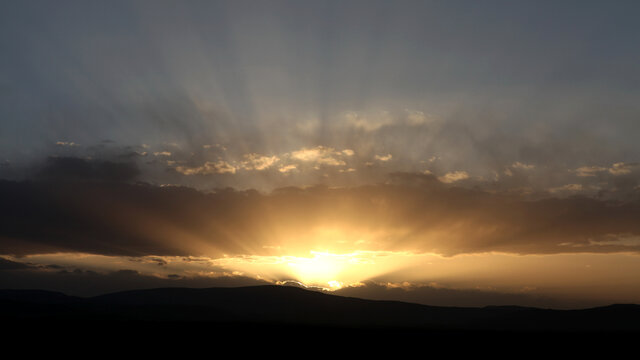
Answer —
(442, 152)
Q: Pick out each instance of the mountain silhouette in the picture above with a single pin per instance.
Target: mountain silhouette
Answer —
(282, 307)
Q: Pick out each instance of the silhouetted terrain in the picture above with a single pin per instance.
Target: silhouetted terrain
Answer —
(291, 307)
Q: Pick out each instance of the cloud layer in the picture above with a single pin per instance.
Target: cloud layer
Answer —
(411, 212)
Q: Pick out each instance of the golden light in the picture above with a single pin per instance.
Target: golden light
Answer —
(321, 269)
(558, 275)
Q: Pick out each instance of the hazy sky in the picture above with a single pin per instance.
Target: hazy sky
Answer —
(346, 133)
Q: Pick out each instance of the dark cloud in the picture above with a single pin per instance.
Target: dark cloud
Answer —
(11, 265)
(90, 283)
(94, 217)
(441, 296)
(158, 260)
(412, 211)
(76, 169)
(53, 267)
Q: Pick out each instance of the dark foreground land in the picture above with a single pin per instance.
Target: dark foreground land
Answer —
(278, 313)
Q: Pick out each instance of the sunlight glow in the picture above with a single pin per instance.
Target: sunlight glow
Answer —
(558, 275)
(323, 269)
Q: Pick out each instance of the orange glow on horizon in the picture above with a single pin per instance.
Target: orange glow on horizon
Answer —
(322, 269)
(573, 275)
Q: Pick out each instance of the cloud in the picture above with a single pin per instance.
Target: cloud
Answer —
(81, 282)
(434, 295)
(214, 146)
(519, 165)
(411, 212)
(209, 167)
(586, 171)
(162, 153)
(320, 155)
(76, 169)
(11, 265)
(567, 187)
(622, 240)
(454, 176)
(368, 123)
(258, 162)
(383, 158)
(616, 169)
(621, 168)
(288, 168)
(67, 143)
(416, 118)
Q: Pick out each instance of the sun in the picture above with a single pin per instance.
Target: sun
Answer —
(322, 269)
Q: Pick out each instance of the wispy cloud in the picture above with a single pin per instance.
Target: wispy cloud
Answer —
(218, 167)
(258, 162)
(619, 168)
(320, 155)
(383, 158)
(453, 176)
(67, 143)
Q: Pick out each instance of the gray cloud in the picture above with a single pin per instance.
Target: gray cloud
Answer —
(76, 169)
(11, 265)
(541, 84)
